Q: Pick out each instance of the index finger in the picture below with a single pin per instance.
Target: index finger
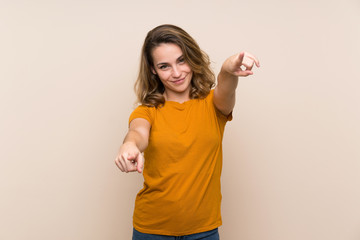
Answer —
(257, 63)
(140, 163)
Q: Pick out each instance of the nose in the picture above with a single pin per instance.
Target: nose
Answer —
(176, 72)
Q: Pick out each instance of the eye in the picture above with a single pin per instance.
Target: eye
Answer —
(181, 60)
(162, 67)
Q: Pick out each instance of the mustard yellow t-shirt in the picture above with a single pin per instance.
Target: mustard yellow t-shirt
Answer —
(183, 162)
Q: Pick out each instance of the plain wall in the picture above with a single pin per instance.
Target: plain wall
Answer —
(291, 154)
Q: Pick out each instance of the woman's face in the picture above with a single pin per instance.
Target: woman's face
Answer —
(173, 71)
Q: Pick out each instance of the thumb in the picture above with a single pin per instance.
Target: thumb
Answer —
(130, 156)
(140, 163)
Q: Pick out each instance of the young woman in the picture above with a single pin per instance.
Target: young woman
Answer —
(179, 126)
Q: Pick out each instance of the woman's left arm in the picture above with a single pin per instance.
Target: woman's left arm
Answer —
(239, 65)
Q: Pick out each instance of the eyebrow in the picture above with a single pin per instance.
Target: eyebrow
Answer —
(182, 56)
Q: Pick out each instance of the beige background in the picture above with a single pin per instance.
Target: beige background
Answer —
(291, 154)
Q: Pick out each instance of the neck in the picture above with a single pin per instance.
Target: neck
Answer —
(178, 97)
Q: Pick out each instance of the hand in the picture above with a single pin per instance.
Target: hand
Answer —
(240, 65)
(129, 158)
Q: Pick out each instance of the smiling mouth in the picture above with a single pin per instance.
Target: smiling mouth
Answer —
(177, 81)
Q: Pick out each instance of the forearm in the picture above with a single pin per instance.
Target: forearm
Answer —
(134, 137)
(227, 84)
(224, 93)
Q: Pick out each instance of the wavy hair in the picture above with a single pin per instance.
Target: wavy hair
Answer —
(148, 87)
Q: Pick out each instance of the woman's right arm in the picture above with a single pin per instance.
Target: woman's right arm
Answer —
(129, 158)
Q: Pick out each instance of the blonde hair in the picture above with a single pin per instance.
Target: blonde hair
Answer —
(148, 87)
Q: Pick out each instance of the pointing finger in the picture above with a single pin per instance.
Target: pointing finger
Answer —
(131, 167)
(140, 163)
(257, 63)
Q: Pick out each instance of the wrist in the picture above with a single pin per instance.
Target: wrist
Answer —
(224, 74)
(129, 143)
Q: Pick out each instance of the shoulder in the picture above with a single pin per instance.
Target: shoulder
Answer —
(210, 101)
(144, 112)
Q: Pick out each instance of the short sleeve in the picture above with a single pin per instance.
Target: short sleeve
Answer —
(142, 112)
(210, 99)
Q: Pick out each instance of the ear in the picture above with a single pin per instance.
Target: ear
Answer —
(153, 71)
